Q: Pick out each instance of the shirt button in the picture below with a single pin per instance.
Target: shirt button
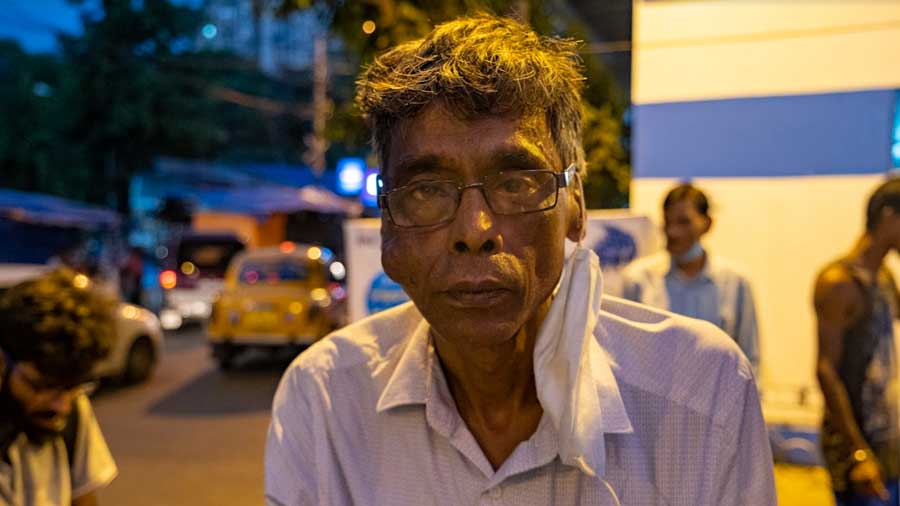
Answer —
(496, 493)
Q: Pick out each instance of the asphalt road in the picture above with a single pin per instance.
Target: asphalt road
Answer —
(191, 435)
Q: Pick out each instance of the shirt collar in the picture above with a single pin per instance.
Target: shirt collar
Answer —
(408, 384)
(417, 380)
(705, 273)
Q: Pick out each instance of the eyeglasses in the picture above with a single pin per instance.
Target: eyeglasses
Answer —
(430, 203)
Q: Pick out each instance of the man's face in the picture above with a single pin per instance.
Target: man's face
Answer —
(44, 407)
(684, 226)
(479, 278)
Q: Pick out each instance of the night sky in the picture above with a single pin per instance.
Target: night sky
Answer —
(34, 23)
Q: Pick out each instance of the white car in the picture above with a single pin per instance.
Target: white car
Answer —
(139, 338)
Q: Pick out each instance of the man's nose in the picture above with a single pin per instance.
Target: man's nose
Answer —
(474, 227)
(62, 402)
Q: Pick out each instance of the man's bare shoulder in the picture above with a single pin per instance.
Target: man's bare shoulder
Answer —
(683, 360)
(836, 287)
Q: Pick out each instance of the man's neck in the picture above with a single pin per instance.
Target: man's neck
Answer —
(869, 253)
(692, 268)
(494, 388)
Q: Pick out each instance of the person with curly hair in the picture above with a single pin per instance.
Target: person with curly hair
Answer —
(53, 331)
(509, 378)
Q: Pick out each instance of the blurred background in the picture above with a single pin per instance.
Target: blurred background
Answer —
(202, 160)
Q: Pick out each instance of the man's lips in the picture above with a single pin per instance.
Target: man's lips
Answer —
(472, 293)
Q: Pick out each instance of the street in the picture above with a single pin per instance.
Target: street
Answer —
(191, 435)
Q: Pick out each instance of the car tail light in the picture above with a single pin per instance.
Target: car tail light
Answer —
(337, 291)
(168, 279)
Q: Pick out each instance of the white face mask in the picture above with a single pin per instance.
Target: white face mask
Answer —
(575, 384)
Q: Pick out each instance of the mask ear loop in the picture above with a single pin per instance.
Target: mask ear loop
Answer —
(582, 212)
(612, 492)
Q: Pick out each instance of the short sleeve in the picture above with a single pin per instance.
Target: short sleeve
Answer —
(92, 466)
(290, 454)
(746, 478)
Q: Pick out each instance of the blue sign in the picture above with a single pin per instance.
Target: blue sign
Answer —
(384, 293)
(895, 149)
(350, 173)
(616, 248)
(369, 194)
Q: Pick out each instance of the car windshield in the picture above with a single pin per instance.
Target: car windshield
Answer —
(271, 271)
(210, 257)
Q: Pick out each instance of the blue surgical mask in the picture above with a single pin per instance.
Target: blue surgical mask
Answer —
(693, 253)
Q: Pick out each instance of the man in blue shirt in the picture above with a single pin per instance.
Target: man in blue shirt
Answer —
(687, 280)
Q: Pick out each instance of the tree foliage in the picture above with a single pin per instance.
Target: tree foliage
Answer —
(132, 87)
(396, 21)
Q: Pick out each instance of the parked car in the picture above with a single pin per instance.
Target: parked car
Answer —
(274, 297)
(139, 338)
(194, 273)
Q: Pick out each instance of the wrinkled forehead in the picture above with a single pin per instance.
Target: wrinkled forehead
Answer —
(470, 144)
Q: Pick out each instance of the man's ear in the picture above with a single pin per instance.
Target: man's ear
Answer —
(576, 215)
(708, 224)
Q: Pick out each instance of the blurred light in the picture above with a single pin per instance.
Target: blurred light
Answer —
(370, 195)
(368, 27)
(170, 319)
(338, 271)
(42, 89)
(320, 296)
(129, 312)
(168, 279)
(350, 175)
(895, 150)
(337, 291)
(81, 281)
(188, 268)
(251, 277)
(314, 253)
(295, 307)
(287, 247)
(162, 252)
(209, 31)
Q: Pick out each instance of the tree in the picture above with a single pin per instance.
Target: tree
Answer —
(132, 88)
(124, 108)
(31, 150)
(396, 21)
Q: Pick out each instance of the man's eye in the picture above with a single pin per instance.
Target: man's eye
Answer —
(517, 184)
(427, 190)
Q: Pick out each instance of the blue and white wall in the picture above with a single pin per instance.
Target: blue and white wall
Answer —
(785, 112)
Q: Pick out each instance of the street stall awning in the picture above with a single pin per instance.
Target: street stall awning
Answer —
(270, 199)
(42, 209)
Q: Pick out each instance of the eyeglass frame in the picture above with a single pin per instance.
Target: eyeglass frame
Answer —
(562, 179)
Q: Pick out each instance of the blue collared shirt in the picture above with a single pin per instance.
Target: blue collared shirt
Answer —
(719, 294)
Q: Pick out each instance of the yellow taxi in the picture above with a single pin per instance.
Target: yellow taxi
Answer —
(289, 295)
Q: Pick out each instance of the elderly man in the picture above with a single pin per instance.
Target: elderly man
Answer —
(506, 380)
